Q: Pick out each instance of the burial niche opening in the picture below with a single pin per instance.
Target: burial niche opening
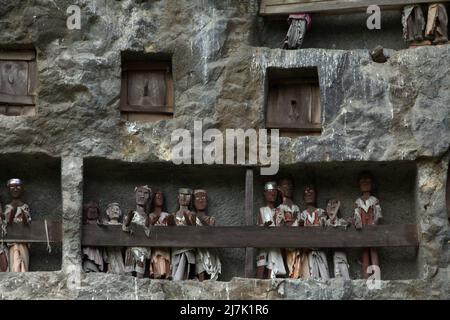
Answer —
(18, 78)
(109, 181)
(147, 87)
(293, 100)
(40, 178)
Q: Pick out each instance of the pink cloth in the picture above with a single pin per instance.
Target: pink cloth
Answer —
(299, 16)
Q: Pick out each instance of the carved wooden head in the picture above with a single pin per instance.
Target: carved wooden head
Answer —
(200, 200)
(309, 194)
(15, 188)
(366, 182)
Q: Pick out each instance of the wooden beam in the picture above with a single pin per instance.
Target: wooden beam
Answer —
(285, 7)
(253, 236)
(35, 232)
(19, 100)
(249, 252)
(308, 127)
(224, 237)
(147, 109)
(20, 55)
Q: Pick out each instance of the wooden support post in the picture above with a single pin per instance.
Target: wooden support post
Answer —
(249, 252)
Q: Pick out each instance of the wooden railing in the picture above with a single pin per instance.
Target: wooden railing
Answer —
(285, 7)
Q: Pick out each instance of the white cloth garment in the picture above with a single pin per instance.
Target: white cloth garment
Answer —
(271, 258)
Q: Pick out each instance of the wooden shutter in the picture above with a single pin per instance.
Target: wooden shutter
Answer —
(294, 105)
(147, 87)
(17, 78)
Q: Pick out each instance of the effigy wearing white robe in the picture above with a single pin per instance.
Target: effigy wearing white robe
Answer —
(207, 260)
(317, 259)
(183, 259)
(340, 262)
(271, 258)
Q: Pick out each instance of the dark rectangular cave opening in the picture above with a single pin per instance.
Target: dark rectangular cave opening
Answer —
(394, 187)
(107, 181)
(337, 31)
(41, 175)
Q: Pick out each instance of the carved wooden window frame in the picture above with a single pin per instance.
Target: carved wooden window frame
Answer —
(130, 67)
(280, 82)
(28, 98)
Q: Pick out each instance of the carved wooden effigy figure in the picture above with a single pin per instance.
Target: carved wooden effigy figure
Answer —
(183, 259)
(269, 261)
(208, 265)
(160, 264)
(367, 212)
(413, 22)
(93, 257)
(437, 24)
(17, 212)
(113, 255)
(340, 261)
(291, 213)
(136, 257)
(298, 25)
(314, 217)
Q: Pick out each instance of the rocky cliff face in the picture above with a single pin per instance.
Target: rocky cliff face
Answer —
(371, 113)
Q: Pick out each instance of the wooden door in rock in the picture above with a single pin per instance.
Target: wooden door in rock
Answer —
(18, 78)
(293, 101)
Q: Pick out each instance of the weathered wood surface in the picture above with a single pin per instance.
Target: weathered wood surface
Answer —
(224, 237)
(284, 7)
(35, 232)
(253, 236)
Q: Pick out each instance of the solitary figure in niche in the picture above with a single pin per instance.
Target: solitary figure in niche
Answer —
(299, 23)
(17, 212)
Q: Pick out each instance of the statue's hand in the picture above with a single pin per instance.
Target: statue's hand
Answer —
(152, 219)
(189, 218)
(170, 220)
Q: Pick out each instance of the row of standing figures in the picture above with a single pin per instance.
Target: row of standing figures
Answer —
(158, 263)
(305, 263)
(200, 263)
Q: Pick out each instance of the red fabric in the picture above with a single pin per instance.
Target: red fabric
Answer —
(301, 16)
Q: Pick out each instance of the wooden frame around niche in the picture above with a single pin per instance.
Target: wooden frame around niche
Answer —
(157, 68)
(300, 87)
(16, 101)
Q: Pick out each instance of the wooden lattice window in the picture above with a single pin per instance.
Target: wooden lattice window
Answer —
(293, 101)
(147, 89)
(18, 78)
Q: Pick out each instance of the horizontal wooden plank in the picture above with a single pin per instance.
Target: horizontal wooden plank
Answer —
(22, 55)
(295, 127)
(147, 109)
(146, 66)
(35, 232)
(19, 100)
(282, 7)
(253, 236)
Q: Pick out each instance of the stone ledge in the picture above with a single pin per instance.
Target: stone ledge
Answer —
(53, 285)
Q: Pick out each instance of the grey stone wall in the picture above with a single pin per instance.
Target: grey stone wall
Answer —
(391, 118)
